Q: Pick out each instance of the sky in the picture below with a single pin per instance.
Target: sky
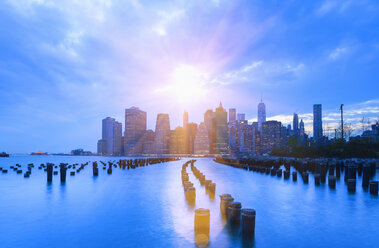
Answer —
(65, 65)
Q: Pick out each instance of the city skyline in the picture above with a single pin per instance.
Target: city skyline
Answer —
(76, 63)
(220, 134)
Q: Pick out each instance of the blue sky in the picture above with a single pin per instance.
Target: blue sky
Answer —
(65, 65)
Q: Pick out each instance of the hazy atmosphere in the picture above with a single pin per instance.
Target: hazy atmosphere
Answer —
(66, 65)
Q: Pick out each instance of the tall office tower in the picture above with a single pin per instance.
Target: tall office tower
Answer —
(271, 133)
(201, 146)
(117, 138)
(110, 144)
(107, 135)
(240, 117)
(232, 114)
(302, 129)
(178, 141)
(261, 115)
(210, 124)
(233, 137)
(221, 119)
(185, 119)
(162, 133)
(135, 127)
(283, 136)
(295, 124)
(245, 137)
(256, 139)
(147, 142)
(191, 133)
(317, 123)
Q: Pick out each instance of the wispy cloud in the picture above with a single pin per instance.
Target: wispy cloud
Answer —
(336, 5)
(337, 53)
(262, 72)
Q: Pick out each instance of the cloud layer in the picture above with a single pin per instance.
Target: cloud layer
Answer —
(65, 65)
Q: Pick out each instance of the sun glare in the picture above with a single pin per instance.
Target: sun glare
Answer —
(187, 83)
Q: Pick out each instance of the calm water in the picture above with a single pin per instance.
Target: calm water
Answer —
(146, 207)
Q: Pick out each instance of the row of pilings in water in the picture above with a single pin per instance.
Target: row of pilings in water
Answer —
(230, 210)
(321, 169)
(52, 169)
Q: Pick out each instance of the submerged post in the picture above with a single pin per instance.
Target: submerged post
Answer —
(234, 212)
(49, 171)
(374, 187)
(202, 226)
(248, 222)
(63, 172)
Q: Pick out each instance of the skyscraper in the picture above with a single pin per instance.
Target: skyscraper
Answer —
(245, 137)
(148, 142)
(295, 124)
(135, 127)
(107, 135)
(221, 119)
(233, 137)
(271, 136)
(302, 129)
(240, 117)
(256, 139)
(201, 146)
(117, 137)
(261, 115)
(110, 144)
(185, 119)
(162, 133)
(232, 114)
(317, 123)
(191, 133)
(210, 123)
(178, 141)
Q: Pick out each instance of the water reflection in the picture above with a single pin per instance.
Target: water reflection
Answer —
(161, 212)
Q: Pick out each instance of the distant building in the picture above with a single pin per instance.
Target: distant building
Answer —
(302, 129)
(241, 138)
(162, 133)
(80, 152)
(240, 117)
(117, 138)
(233, 137)
(373, 134)
(296, 124)
(107, 135)
(271, 136)
(201, 146)
(135, 128)
(147, 142)
(178, 141)
(261, 115)
(191, 133)
(102, 147)
(221, 119)
(317, 123)
(245, 137)
(284, 134)
(210, 123)
(185, 120)
(256, 139)
(232, 115)
(110, 144)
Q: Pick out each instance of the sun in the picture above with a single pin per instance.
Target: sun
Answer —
(187, 83)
